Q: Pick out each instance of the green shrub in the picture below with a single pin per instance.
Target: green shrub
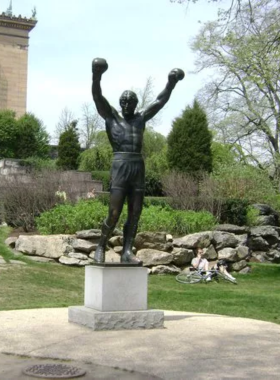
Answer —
(67, 218)
(155, 218)
(234, 211)
(103, 176)
(40, 163)
(104, 198)
(245, 182)
(86, 214)
(157, 201)
(153, 185)
(251, 216)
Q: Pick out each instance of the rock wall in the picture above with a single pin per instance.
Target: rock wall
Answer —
(160, 252)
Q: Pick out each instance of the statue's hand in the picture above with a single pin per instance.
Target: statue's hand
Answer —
(175, 75)
(99, 66)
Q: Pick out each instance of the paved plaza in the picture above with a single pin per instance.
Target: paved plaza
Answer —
(191, 346)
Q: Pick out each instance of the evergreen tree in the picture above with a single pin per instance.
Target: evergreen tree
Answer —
(69, 148)
(33, 140)
(8, 134)
(23, 137)
(189, 142)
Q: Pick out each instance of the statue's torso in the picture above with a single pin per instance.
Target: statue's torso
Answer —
(125, 136)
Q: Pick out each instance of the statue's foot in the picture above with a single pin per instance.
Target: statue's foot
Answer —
(130, 258)
(99, 255)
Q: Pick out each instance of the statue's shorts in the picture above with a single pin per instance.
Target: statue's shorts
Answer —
(128, 171)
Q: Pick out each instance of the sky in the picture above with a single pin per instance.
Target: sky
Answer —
(138, 38)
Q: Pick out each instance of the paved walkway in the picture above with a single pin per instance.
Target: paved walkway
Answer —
(191, 346)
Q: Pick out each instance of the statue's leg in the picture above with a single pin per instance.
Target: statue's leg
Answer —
(135, 204)
(117, 198)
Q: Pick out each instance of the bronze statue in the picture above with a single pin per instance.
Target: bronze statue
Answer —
(125, 132)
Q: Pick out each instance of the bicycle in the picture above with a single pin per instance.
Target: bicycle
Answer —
(196, 276)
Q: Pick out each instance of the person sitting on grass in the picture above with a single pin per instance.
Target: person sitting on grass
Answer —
(201, 263)
(222, 267)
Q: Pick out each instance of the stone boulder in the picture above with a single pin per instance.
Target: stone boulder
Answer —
(111, 256)
(228, 254)
(89, 234)
(199, 239)
(266, 220)
(53, 246)
(210, 253)
(11, 241)
(242, 239)
(169, 238)
(245, 270)
(239, 265)
(267, 215)
(258, 243)
(232, 228)
(152, 257)
(258, 257)
(78, 255)
(72, 261)
(119, 250)
(269, 233)
(152, 240)
(165, 269)
(116, 241)
(224, 239)
(274, 256)
(242, 252)
(68, 260)
(83, 245)
(182, 256)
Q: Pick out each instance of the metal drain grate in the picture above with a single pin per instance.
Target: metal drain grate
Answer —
(54, 371)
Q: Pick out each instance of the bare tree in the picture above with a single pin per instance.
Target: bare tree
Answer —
(187, 193)
(90, 124)
(232, 11)
(146, 96)
(65, 119)
(242, 95)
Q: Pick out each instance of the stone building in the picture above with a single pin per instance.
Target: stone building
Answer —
(14, 37)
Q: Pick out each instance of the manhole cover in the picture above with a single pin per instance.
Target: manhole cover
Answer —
(54, 371)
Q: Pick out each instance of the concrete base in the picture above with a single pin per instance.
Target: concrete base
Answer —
(116, 320)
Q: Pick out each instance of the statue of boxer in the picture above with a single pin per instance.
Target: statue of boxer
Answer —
(125, 132)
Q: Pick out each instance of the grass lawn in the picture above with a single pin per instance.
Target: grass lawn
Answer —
(256, 296)
(35, 285)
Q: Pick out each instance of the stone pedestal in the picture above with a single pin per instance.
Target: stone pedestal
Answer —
(116, 288)
(116, 299)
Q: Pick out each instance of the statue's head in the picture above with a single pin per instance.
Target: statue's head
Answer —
(128, 103)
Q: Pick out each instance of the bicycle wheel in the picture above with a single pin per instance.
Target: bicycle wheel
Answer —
(226, 278)
(189, 278)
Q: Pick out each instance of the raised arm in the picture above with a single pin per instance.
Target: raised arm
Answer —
(174, 76)
(99, 66)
